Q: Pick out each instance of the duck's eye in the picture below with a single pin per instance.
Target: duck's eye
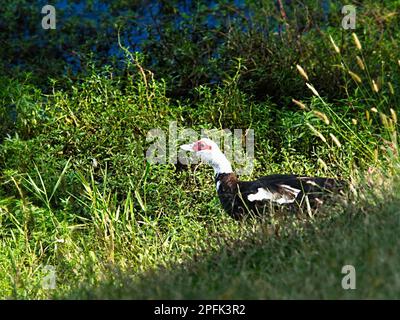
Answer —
(200, 146)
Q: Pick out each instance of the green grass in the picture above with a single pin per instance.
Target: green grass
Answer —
(292, 265)
(77, 194)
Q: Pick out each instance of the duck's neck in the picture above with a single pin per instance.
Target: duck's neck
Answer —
(221, 164)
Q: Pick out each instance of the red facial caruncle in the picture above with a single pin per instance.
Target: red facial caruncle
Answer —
(201, 146)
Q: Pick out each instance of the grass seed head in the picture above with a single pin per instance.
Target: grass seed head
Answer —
(355, 77)
(322, 116)
(384, 120)
(335, 140)
(302, 72)
(360, 63)
(356, 41)
(375, 86)
(299, 104)
(314, 91)
(394, 115)
(316, 132)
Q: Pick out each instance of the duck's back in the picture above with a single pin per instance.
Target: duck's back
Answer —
(280, 189)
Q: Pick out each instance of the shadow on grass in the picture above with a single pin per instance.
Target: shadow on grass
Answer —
(296, 264)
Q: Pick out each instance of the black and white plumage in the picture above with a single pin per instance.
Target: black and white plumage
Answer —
(241, 197)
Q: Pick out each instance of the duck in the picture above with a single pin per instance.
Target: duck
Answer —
(241, 198)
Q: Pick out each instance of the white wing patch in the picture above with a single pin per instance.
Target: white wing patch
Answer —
(290, 189)
(261, 194)
(218, 183)
(264, 194)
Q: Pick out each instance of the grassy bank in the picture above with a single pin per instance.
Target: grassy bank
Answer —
(295, 263)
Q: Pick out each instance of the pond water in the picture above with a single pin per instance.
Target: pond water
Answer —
(141, 22)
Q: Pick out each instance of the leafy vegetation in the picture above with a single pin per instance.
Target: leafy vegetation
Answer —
(77, 193)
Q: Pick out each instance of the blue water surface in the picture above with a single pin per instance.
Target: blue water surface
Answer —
(143, 26)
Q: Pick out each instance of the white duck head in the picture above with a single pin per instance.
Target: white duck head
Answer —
(209, 152)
